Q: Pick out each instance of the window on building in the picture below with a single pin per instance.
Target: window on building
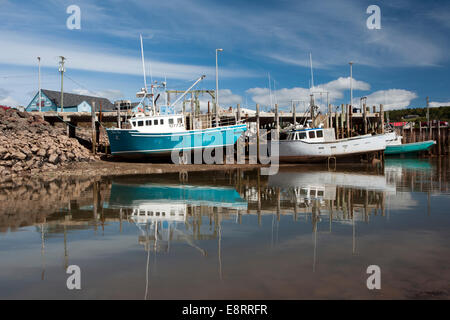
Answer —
(312, 134)
(319, 134)
(161, 121)
(140, 123)
(170, 121)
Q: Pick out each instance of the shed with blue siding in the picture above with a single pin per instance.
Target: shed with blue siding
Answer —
(51, 101)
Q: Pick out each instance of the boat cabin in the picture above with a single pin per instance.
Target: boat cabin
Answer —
(312, 135)
(158, 124)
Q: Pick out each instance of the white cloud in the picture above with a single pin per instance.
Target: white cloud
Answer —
(9, 101)
(6, 99)
(391, 99)
(283, 97)
(435, 104)
(226, 99)
(344, 84)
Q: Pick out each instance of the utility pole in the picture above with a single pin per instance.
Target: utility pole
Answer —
(62, 70)
(39, 80)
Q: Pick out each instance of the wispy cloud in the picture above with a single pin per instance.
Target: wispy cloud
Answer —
(24, 52)
(110, 94)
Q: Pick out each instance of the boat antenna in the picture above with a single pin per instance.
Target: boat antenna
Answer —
(143, 63)
(143, 69)
(312, 74)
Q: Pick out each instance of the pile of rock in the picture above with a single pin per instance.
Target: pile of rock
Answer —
(28, 144)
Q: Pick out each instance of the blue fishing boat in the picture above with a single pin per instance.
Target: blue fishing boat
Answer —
(158, 136)
(158, 131)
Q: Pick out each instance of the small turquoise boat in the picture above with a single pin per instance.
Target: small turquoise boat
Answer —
(409, 147)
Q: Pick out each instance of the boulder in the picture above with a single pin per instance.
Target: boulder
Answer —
(54, 158)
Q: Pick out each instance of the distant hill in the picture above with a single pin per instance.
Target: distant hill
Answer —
(441, 113)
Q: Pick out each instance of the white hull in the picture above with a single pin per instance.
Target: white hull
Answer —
(299, 150)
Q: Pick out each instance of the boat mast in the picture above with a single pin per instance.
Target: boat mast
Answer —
(312, 75)
(311, 107)
(143, 65)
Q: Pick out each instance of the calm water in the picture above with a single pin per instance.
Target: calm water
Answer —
(305, 233)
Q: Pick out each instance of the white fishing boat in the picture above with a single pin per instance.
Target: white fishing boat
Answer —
(320, 144)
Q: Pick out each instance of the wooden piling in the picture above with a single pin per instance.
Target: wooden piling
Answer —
(118, 118)
(277, 123)
(420, 131)
(257, 133)
(347, 119)
(350, 122)
(94, 134)
(365, 118)
(238, 112)
(294, 115)
(330, 116)
(336, 116)
(70, 127)
(439, 137)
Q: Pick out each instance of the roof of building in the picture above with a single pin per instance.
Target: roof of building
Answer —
(72, 99)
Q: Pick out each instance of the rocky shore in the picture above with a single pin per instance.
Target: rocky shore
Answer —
(29, 145)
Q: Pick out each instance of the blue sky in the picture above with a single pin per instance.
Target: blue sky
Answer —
(398, 65)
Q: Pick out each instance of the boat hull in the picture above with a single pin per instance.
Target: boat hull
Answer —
(134, 143)
(409, 147)
(345, 149)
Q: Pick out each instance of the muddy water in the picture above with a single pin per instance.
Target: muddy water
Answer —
(305, 233)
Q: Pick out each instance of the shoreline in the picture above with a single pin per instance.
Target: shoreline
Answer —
(104, 168)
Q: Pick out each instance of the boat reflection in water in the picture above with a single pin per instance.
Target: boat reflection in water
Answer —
(303, 233)
(158, 210)
(341, 197)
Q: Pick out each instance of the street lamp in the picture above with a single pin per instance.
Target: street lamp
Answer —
(217, 79)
